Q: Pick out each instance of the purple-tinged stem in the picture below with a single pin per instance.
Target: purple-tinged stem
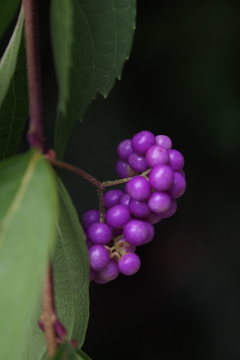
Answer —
(77, 171)
(48, 317)
(35, 133)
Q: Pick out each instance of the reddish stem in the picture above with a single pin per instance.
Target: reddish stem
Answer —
(35, 133)
(77, 171)
(49, 317)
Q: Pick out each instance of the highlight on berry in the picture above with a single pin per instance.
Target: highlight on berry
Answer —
(154, 177)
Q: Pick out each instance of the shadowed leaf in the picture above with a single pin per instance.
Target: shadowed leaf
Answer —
(100, 43)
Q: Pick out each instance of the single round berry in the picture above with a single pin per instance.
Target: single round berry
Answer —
(111, 198)
(123, 169)
(124, 200)
(117, 216)
(135, 232)
(176, 160)
(138, 162)
(139, 208)
(90, 217)
(172, 209)
(139, 188)
(99, 257)
(161, 177)
(159, 202)
(164, 141)
(151, 232)
(156, 155)
(142, 141)
(110, 272)
(178, 187)
(129, 264)
(99, 233)
(124, 149)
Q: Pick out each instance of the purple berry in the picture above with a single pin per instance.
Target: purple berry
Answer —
(124, 200)
(129, 264)
(124, 149)
(92, 274)
(90, 217)
(178, 187)
(117, 216)
(142, 141)
(151, 232)
(153, 218)
(157, 155)
(139, 208)
(138, 162)
(98, 280)
(110, 272)
(176, 160)
(159, 202)
(99, 233)
(161, 177)
(135, 232)
(111, 198)
(123, 169)
(164, 141)
(99, 257)
(139, 188)
(172, 209)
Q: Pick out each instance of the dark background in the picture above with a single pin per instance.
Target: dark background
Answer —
(182, 80)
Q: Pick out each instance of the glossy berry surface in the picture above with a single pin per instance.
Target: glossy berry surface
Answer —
(99, 233)
(164, 141)
(178, 187)
(135, 232)
(111, 198)
(99, 257)
(124, 149)
(157, 155)
(129, 264)
(159, 202)
(139, 208)
(142, 141)
(117, 216)
(138, 162)
(161, 177)
(139, 188)
(90, 217)
(110, 272)
(176, 160)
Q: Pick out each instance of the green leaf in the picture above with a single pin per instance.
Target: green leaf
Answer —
(27, 228)
(62, 32)
(99, 45)
(14, 109)
(66, 352)
(8, 10)
(71, 270)
(71, 281)
(9, 59)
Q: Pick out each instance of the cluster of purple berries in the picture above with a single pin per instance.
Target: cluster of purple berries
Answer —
(156, 180)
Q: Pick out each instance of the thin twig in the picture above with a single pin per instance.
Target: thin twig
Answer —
(35, 133)
(48, 313)
(77, 171)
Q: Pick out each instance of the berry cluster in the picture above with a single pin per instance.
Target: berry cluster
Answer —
(155, 179)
